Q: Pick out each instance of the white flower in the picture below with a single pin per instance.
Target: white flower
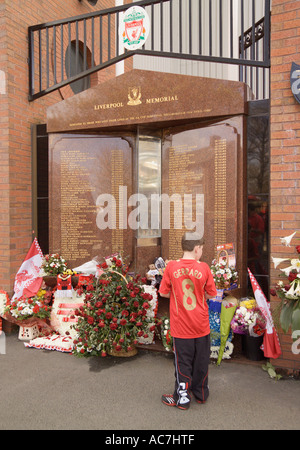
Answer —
(277, 261)
(296, 264)
(247, 316)
(243, 310)
(291, 292)
(26, 311)
(286, 271)
(287, 240)
(297, 290)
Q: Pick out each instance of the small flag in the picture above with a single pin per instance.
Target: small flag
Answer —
(271, 346)
(28, 281)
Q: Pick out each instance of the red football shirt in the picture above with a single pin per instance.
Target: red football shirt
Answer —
(187, 280)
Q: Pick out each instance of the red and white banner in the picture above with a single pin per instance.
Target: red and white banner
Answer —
(271, 346)
(28, 281)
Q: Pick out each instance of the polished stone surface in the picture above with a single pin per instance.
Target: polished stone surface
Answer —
(83, 170)
(146, 97)
(93, 151)
(204, 168)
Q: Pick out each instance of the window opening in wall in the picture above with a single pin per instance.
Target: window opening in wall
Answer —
(40, 189)
(258, 159)
(74, 64)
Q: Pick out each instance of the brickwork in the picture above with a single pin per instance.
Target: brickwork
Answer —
(16, 118)
(285, 145)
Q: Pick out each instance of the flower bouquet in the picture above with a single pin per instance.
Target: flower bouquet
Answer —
(114, 315)
(224, 277)
(27, 308)
(228, 309)
(248, 321)
(29, 311)
(166, 337)
(288, 290)
(52, 265)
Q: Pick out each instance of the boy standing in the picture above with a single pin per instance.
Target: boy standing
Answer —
(188, 283)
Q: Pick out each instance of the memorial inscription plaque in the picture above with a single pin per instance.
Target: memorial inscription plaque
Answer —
(203, 167)
(83, 168)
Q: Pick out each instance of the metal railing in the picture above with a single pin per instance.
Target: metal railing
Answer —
(208, 31)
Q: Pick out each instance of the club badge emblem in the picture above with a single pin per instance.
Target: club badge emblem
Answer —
(134, 28)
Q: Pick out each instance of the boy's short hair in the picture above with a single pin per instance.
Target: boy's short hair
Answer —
(190, 240)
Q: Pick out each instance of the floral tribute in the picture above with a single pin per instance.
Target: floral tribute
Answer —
(52, 265)
(288, 289)
(114, 314)
(166, 337)
(26, 308)
(248, 320)
(224, 276)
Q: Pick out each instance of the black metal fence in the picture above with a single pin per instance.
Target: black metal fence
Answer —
(226, 32)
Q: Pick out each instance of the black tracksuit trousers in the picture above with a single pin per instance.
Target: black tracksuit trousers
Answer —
(191, 369)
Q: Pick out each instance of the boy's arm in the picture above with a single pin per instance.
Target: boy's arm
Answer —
(210, 287)
(207, 296)
(165, 295)
(165, 285)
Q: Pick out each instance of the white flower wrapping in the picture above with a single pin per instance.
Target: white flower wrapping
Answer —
(151, 313)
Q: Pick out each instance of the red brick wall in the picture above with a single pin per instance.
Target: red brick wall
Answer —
(285, 146)
(16, 118)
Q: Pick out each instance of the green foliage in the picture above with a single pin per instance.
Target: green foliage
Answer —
(271, 371)
(290, 316)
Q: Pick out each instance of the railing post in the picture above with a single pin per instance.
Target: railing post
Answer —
(267, 32)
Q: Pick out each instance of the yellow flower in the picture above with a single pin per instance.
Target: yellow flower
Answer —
(41, 293)
(249, 304)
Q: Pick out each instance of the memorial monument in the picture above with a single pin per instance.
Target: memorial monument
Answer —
(139, 159)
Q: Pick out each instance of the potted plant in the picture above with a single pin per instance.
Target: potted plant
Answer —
(114, 314)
